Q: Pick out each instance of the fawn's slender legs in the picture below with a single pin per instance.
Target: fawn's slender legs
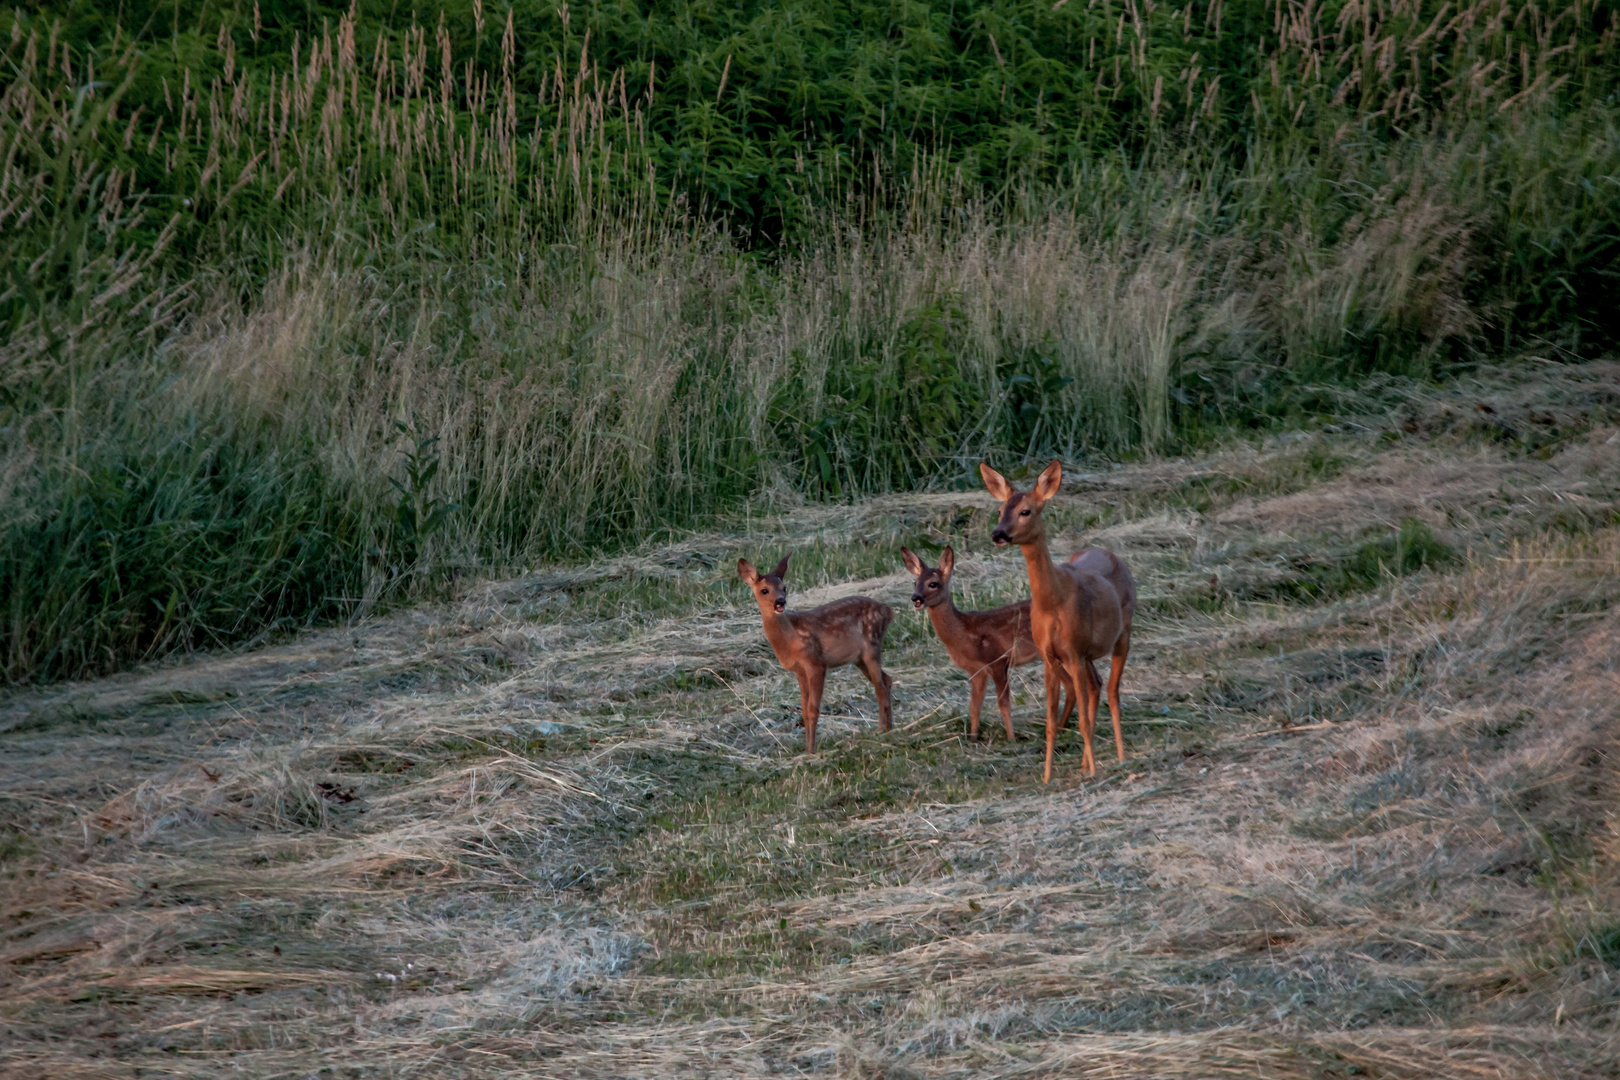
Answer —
(1004, 698)
(813, 681)
(811, 684)
(976, 686)
(872, 665)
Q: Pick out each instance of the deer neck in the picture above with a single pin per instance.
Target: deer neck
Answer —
(946, 619)
(778, 630)
(1043, 576)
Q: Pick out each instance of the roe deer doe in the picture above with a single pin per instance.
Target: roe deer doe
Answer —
(1077, 614)
(985, 644)
(847, 631)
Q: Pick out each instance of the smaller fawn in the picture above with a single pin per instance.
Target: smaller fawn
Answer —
(985, 644)
(847, 631)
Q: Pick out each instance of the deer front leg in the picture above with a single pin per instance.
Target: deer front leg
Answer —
(804, 696)
(811, 683)
(1051, 671)
(976, 685)
(1080, 674)
(1004, 697)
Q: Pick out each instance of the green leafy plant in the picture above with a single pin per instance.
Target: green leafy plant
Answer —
(1033, 395)
(420, 511)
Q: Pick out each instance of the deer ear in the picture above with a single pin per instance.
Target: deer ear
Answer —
(947, 561)
(1051, 479)
(781, 567)
(995, 483)
(913, 564)
(746, 571)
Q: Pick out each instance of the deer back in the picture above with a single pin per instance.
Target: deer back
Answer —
(988, 636)
(842, 631)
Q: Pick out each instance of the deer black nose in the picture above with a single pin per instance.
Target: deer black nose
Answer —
(781, 605)
(917, 602)
(999, 537)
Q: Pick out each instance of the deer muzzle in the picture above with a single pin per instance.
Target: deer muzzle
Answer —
(999, 537)
(780, 605)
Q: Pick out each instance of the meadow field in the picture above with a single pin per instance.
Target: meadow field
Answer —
(386, 396)
(562, 824)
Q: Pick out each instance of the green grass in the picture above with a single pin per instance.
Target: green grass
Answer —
(716, 840)
(1603, 942)
(1282, 474)
(1406, 550)
(286, 342)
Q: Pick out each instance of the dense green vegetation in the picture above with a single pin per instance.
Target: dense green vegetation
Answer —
(307, 305)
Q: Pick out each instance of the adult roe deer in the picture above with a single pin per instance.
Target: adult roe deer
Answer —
(1078, 613)
(807, 643)
(985, 644)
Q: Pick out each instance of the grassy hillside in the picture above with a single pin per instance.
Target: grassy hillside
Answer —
(313, 307)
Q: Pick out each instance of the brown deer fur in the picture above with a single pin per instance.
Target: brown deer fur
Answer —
(1104, 564)
(985, 644)
(847, 631)
(1076, 614)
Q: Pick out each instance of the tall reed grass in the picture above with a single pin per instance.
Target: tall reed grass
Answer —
(338, 324)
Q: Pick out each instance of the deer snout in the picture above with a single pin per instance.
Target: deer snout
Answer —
(999, 537)
(917, 601)
(781, 604)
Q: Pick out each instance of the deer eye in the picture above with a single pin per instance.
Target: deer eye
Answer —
(764, 592)
(933, 584)
(1023, 513)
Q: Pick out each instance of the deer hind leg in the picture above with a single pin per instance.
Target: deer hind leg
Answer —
(1094, 685)
(976, 687)
(1004, 697)
(1117, 669)
(872, 665)
(811, 684)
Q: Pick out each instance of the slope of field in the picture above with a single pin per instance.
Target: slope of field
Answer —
(564, 826)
